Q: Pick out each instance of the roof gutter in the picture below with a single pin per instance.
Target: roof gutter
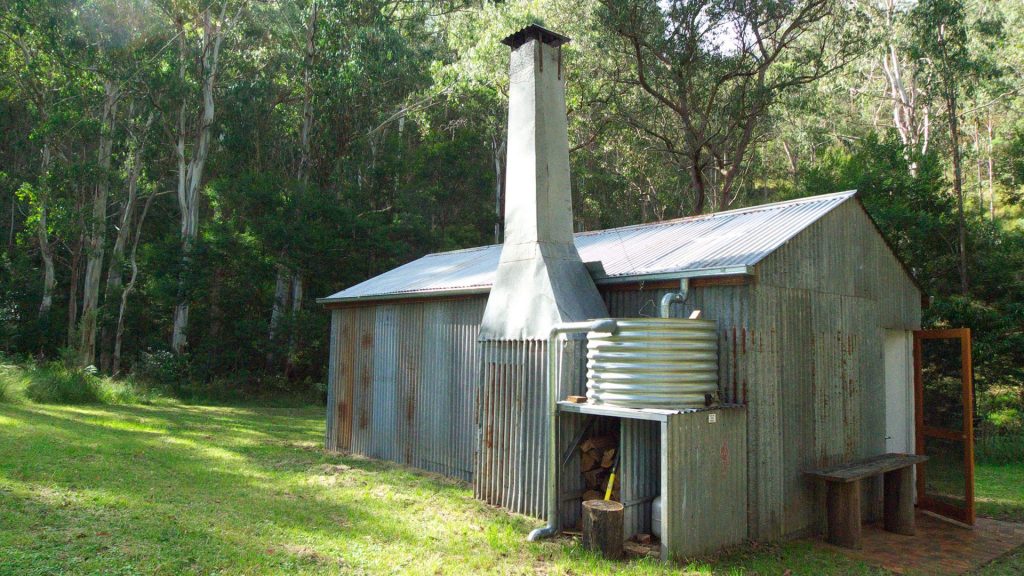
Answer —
(699, 273)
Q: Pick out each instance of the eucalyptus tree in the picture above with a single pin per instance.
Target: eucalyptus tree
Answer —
(289, 286)
(187, 100)
(37, 73)
(109, 31)
(715, 68)
(907, 94)
(129, 222)
(940, 34)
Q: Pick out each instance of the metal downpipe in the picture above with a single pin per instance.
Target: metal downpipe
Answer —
(607, 325)
(674, 298)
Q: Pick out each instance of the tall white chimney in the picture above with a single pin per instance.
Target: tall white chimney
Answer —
(541, 280)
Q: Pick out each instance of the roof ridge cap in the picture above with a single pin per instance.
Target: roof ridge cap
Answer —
(750, 209)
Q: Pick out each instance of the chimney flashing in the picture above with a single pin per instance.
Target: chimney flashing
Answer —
(535, 32)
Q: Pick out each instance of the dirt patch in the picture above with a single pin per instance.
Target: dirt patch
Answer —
(287, 464)
(336, 475)
(307, 554)
(333, 469)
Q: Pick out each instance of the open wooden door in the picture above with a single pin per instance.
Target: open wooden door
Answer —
(944, 410)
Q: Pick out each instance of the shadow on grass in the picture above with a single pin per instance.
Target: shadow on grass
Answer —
(193, 487)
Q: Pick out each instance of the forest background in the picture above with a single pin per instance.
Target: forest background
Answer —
(180, 179)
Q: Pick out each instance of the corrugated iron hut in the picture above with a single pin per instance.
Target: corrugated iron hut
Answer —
(440, 364)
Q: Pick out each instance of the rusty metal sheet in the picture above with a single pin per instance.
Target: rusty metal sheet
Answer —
(409, 372)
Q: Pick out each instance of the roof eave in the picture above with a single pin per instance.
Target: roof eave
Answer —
(599, 280)
(406, 295)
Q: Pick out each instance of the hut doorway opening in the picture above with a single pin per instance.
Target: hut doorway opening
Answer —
(899, 391)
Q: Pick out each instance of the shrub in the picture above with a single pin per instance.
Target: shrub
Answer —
(55, 383)
(163, 369)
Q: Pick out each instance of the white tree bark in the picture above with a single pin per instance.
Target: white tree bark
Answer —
(499, 183)
(119, 332)
(286, 277)
(910, 114)
(43, 234)
(115, 271)
(279, 306)
(96, 232)
(190, 166)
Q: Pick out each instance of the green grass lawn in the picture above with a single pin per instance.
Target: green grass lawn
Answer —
(999, 491)
(177, 489)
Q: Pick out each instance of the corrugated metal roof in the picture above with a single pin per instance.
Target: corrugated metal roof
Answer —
(714, 244)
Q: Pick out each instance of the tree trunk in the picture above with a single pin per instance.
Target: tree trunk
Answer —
(96, 232)
(190, 173)
(699, 186)
(277, 310)
(991, 188)
(793, 166)
(603, 527)
(285, 276)
(119, 331)
(115, 272)
(10, 231)
(76, 269)
(499, 187)
(978, 166)
(306, 130)
(298, 288)
(45, 248)
(954, 140)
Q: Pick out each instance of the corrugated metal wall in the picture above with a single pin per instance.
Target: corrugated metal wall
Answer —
(814, 364)
(512, 416)
(403, 385)
(705, 471)
(802, 345)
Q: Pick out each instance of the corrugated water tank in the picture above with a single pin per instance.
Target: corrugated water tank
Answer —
(653, 363)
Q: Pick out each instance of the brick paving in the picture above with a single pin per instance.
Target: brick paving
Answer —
(939, 548)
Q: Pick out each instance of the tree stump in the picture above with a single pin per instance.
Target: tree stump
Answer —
(602, 527)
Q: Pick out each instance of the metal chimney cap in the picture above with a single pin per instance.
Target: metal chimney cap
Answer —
(531, 32)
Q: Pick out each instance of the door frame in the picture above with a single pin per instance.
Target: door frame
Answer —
(965, 435)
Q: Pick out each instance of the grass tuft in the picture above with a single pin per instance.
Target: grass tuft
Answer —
(13, 381)
(55, 383)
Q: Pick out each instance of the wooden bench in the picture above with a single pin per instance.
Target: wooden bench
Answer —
(843, 500)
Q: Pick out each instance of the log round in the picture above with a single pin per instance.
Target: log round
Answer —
(602, 527)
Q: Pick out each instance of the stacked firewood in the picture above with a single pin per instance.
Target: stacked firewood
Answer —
(597, 457)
